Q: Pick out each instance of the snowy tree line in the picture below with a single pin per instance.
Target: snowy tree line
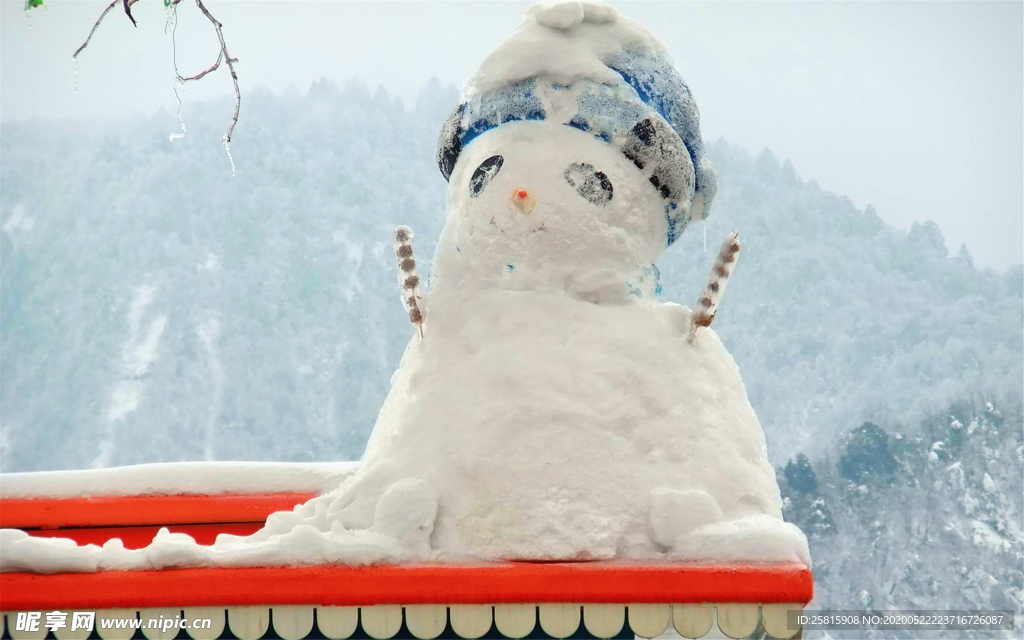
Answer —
(927, 517)
(155, 308)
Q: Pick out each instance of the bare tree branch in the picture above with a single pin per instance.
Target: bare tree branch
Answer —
(128, 11)
(94, 27)
(226, 57)
(222, 57)
(201, 74)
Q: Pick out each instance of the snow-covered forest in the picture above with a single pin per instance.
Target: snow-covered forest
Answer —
(923, 516)
(155, 308)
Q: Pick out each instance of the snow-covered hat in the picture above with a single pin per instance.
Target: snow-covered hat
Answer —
(590, 67)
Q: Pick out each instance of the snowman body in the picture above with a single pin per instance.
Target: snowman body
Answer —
(553, 408)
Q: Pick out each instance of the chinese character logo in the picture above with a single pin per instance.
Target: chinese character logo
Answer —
(28, 621)
(83, 620)
(56, 620)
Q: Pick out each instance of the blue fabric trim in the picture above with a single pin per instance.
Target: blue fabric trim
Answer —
(475, 129)
(511, 103)
(578, 123)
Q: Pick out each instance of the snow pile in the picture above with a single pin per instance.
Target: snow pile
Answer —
(299, 537)
(175, 478)
(553, 409)
(564, 41)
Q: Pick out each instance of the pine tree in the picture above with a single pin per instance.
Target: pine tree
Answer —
(866, 457)
(800, 475)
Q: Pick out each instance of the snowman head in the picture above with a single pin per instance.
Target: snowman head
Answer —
(577, 146)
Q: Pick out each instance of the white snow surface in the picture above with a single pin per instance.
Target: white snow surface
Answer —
(178, 478)
(290, 538)
(553, 410)
(564, 41)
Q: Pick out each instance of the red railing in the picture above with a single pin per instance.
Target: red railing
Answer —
(415, 584)
(136, 519)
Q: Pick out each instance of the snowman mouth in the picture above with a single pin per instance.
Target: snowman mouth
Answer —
(542, 227)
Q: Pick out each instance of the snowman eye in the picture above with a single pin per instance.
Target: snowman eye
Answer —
(592, 185)
(483, 175)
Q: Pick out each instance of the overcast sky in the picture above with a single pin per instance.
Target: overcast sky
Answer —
(916, 108)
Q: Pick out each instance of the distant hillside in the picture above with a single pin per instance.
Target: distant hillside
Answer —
(155, 308)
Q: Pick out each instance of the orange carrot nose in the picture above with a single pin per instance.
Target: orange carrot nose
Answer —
(522, 201)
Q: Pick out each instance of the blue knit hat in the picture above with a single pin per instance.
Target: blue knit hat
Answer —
(649, 115)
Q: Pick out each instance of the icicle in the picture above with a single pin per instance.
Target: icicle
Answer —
(227, 148)
(171, 10)
(704, 226)
(74, 60)
(177, 98)
(179, 136)
(707, 304)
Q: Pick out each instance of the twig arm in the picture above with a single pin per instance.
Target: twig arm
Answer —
(407, 276)
(707, 305)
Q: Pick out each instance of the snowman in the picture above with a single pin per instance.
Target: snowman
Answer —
(549, 407)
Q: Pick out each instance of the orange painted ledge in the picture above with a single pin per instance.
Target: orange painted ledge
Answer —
(411, 584)
(112, 511)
